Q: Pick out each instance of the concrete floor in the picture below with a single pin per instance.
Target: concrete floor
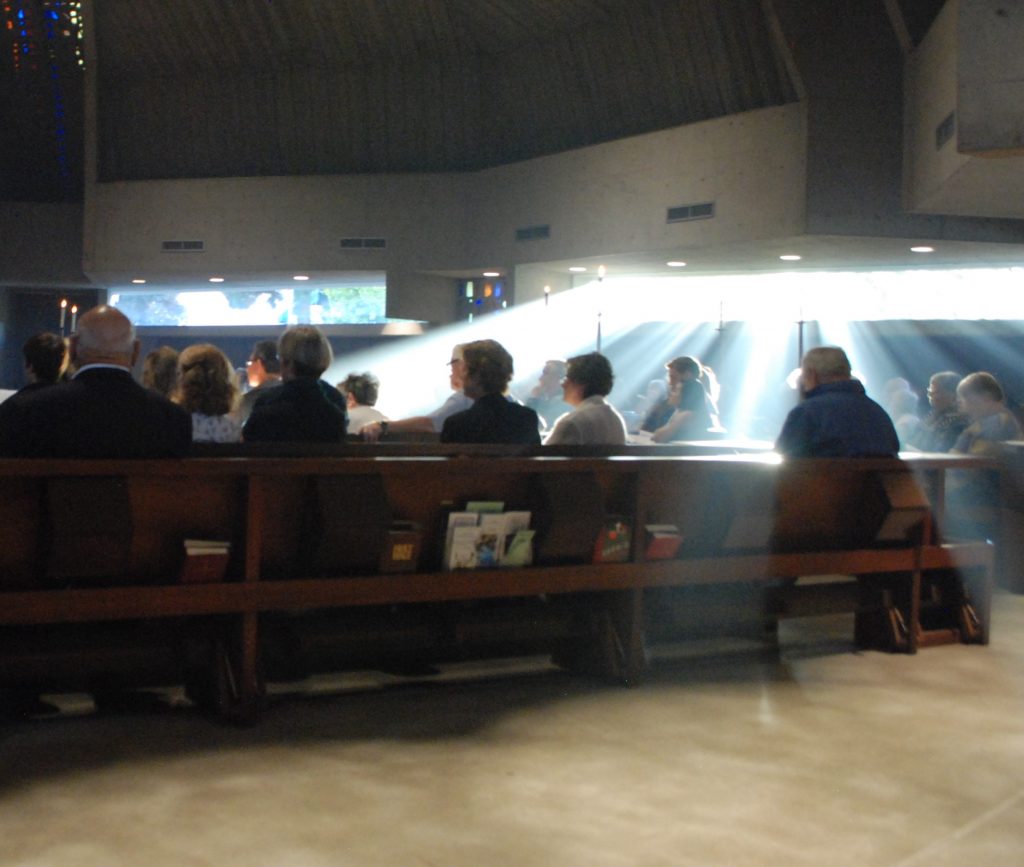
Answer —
(819, 756)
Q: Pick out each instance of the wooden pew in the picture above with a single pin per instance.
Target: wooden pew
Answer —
(92, 542)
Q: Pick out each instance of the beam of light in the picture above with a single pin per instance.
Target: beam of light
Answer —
(744, 326)
(413, 374)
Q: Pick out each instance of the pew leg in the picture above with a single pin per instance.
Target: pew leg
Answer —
(240, 689)
(879, 622)
(627, 655)
(230, 685)
(612, 644)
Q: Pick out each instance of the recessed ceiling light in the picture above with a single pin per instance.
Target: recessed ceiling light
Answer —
(300, 277)
(676, 264)
(922, 249)
(492, 273)
(138, 280)
(577, 269)
(216, 279)
(790, 257)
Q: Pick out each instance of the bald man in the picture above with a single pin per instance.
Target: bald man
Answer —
(836, 418)
(102, 412)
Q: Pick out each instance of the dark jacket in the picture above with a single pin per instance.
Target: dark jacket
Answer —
(300, 411)
(838, 420)
(492, 419)
(101, 413)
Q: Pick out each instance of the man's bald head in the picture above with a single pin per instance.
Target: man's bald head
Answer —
(104, 336)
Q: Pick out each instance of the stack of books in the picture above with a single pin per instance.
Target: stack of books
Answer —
(483, 535)
(663, 541)
(206, 561)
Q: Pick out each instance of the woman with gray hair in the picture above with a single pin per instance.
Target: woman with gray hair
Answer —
(304, 408)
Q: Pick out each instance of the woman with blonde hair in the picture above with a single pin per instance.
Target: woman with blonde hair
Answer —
(206, 388)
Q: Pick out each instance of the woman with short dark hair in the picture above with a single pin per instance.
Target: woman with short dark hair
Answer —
(592, 421)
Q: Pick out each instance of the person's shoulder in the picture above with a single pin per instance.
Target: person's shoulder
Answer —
(461, 417)
(159, 401)
(268, 394)
(261, 392)
(526, 416)
(519, 409)
(457, 401)
(457, 424)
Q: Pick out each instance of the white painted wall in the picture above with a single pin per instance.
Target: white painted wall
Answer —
(612, 198)
(990, 76)
(603, 199)
(956, 68)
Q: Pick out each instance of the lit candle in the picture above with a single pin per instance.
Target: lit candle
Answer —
(74, 316)
(63, 312)
(547, 295)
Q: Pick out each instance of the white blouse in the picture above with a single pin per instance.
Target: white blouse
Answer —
(215, 429)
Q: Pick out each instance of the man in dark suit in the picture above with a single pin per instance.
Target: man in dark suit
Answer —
(492, 418)
(102, 412)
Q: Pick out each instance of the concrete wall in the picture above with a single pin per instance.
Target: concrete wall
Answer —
(260, 226)
(990, 76)
(956, 69)
(613, 198)
(931, 95)
(602, 199)
(853, 68)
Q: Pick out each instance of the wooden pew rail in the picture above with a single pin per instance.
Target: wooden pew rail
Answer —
(101, 542)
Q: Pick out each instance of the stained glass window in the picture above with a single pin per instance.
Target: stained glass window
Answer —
(41, 100)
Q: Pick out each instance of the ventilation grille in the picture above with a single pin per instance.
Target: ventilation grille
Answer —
(363, 243)
(944, 131)
(183, 246)
(683, 213)
(533, 233)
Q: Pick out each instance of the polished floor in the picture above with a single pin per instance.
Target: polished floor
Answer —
(724, 756)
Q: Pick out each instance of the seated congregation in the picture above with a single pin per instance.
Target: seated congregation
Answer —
(82, 401)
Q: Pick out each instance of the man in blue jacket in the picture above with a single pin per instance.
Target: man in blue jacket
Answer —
(835, 419)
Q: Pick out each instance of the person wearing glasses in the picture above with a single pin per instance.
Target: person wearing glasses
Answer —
(493, 418)
(939, 430)
(263, 370)
(433, 422)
